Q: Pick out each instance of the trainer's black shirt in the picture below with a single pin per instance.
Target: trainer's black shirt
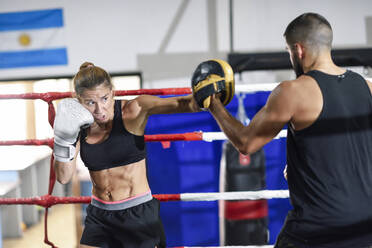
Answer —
(330, 165)
(120, 148)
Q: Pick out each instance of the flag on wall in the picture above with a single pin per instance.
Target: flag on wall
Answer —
(32, 38)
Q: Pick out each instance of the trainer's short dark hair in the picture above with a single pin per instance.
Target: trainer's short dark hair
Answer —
(311, 29)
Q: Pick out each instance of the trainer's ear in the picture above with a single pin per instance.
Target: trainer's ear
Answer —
(300, 50)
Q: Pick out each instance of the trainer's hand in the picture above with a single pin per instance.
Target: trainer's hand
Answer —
(211, 77)
(70, 117)
(215, 99)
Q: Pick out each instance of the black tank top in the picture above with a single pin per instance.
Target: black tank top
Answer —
(120, 148)
(330, 165)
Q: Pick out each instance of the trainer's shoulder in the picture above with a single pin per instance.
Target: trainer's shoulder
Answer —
(291, 86)
(295, 88)
(300, 82)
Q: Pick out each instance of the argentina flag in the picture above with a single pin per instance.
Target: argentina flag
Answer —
(32, 38)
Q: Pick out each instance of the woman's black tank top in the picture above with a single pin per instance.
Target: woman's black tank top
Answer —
(120, 148)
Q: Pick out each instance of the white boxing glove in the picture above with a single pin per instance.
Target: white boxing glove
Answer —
(70, 117)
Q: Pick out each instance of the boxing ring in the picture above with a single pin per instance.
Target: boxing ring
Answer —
(48, 200)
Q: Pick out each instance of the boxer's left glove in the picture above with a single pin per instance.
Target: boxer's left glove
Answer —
(70, 117)
(211, 77)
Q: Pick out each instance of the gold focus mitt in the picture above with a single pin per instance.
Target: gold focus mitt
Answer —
(211, 77)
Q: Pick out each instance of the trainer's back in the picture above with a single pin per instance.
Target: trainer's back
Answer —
(330, 164)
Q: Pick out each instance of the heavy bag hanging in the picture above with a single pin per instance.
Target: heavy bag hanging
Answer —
(244, 222)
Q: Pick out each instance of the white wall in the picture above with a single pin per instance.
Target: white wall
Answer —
(113, 34)
(260, 24)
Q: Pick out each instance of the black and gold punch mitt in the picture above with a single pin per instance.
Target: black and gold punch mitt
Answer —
(211, 77)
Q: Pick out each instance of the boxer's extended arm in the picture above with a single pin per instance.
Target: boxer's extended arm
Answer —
(156, 105)
(265, 125)
(138, 110)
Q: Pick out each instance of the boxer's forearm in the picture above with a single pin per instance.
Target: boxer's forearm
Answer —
(229, 125)
(64, 171)
(188, 104)
(171, 105)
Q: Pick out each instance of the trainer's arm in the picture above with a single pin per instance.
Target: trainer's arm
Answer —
(156, 105)
(265, 125)
(65, 170)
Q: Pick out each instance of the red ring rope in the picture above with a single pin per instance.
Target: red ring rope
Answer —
(28, 142)
(50, 96)
(149, 138)
(48, 200)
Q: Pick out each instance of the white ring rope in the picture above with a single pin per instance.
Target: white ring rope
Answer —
(211, 136)
(237, 195)
(251, 88)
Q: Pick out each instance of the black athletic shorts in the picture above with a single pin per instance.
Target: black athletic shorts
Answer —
(355, 240)
(138, 226)
(286, 241)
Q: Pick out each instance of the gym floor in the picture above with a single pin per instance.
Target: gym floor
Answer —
(61, 230)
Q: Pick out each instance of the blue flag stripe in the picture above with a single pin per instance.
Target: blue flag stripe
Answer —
(43, 57)
(37, 19)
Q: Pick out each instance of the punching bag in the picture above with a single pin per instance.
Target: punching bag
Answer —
(243, 222)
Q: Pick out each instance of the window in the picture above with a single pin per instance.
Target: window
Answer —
(13, 112)
(126, 83)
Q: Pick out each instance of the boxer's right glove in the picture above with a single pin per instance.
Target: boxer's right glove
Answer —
(211, 77)
(70, 117)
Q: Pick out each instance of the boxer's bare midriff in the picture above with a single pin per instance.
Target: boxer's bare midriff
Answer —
(121, 182)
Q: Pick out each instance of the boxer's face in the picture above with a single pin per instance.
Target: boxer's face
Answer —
(100, 102)
(295, 61)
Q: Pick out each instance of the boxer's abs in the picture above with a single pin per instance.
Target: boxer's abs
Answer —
(118, 183)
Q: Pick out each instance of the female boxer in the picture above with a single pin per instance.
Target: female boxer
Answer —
(109, 134)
